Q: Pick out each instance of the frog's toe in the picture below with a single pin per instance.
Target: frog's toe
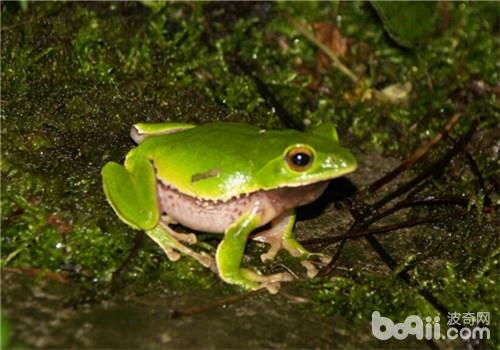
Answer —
(271, 282)
(270, 255)
(323, 259)
(312, 271)
(168, 241)
(172, 255)
(189, 238)
(207, 261)
(313, 260)
(273, 238)
(275, 277)
(203, 258)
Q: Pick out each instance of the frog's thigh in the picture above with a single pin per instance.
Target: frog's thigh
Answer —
(131, 191)
(230, 254)
(164, 236)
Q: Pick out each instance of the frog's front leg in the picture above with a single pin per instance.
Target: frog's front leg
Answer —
(131, 191)
(230, 254)
(280, 236)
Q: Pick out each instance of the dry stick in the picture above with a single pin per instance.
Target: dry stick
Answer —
(379, 249)
(325, 271)
(233, 299)
(393, 265)
(336, 61)
(286, 118)
(360, 222)
(419, 188)
(405, 276)
(480, 183)
(133, 252)
(360, 233)
(387, 258)
(34, 272)
(423, 202)
(419, 155)
(433, 168)
(216, 304)
(357, 227)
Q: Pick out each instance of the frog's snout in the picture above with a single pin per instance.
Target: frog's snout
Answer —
(342, 162)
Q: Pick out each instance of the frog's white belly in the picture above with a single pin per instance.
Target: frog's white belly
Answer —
(216, 216)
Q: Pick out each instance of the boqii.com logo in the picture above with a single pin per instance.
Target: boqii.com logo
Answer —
(465, 326)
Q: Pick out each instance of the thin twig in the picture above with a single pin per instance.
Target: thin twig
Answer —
(312, 38)
(360, 233)
(250, 71)
(393, 265)
(433, 168)
(133, 252)
(385, 256)
(34, 272)
(325, 271)
(414, 203)
(216, 304)
(418, 155)
(296, 299)
(480, 183)
(286, 118)
(362, 221)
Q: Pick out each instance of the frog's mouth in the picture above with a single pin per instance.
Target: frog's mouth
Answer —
(312, 179)
(297, 193)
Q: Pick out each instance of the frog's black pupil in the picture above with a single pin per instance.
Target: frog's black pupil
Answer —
(301, 159)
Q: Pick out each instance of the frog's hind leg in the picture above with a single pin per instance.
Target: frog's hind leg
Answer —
(230, 254)
(280, 236)
(131, 191)
(189, 238)
(166, 238)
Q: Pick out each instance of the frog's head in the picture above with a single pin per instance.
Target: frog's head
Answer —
(304, 158)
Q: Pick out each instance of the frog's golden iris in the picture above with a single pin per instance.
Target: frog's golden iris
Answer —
(300, 158)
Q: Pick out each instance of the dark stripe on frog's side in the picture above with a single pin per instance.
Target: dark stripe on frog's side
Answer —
(206, 175)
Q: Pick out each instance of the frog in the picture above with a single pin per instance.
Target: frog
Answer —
(230, 178)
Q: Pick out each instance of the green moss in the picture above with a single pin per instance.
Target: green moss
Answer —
(75, 76)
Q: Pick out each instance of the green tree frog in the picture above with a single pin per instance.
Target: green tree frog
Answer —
(226, 178)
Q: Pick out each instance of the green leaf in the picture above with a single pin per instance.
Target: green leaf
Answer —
(407, 22)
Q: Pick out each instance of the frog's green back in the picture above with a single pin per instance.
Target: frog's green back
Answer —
(222, 160)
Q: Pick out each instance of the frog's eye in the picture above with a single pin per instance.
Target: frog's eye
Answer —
(300, 158)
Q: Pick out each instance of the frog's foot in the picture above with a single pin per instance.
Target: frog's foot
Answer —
(165, 237)
(273, 237)
(271, 282)
(252, 280)
(279, 236)
(230, 254)
(308, 260)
